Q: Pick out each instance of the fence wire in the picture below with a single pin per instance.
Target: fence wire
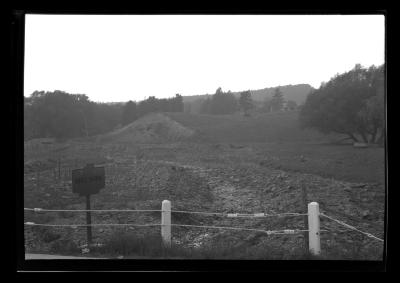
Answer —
(351, 227)
(224, 214)
(87, 225)
(92, 210)
(268, 232)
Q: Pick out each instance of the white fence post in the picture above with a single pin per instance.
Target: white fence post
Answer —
(166, 222)
(314, 242)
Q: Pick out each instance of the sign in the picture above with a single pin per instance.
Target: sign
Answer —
(88, 180)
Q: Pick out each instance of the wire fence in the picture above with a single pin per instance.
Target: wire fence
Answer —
(223, 214)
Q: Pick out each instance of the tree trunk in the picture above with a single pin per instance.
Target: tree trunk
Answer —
(353, 137)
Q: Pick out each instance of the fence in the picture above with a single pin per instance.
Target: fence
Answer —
(314, 241)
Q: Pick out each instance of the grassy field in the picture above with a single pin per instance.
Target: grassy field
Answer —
(233, 164)
(276, 140)
(270, 127)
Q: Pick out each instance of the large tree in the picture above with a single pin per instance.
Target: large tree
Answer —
(350, 103)
(277, 100)
(246, 102)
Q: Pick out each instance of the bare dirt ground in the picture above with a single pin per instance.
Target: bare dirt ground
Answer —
(210, 177)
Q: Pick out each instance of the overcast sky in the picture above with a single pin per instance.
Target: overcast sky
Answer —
(130, 57)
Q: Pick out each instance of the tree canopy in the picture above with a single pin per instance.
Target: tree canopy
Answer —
(351, 103)
(59, 114)
(220, 103)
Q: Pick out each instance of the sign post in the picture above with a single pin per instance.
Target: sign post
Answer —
(86, 181)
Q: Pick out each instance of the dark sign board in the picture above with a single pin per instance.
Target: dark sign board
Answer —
(88, 180)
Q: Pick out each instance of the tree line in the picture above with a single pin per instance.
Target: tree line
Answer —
(59, 114)
(351, 104)
(222, 103)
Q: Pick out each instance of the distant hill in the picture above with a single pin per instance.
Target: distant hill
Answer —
(297, 93)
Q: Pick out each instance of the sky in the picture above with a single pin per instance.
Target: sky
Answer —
(115, 58)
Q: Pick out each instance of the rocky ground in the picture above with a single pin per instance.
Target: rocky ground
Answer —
(200, 177)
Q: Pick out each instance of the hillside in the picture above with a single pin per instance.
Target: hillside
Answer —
(297, 93)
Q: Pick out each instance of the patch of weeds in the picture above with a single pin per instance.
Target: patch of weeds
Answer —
(45, 234)
(64, 246)
(50, 236)
(130, 244)
(355, 251)
(126, 243)
(183, 218)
